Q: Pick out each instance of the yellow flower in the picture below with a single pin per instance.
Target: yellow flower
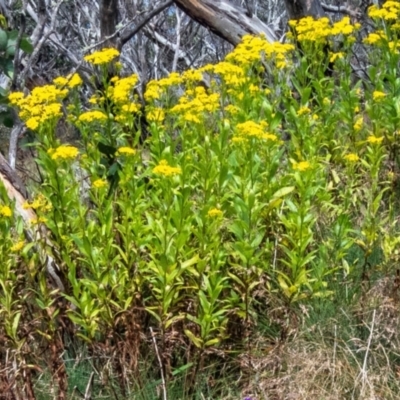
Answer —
(301, 166)
(32, 123)
(99, 183)
(74, 81)
(303, 110)
(40, 220)
(156, 115)
(128, 151)
(131, 108)
(358, 123)
(215, 213)
(91, 116)
(60, 81)
(377, 95)
(352, 157)
(103, 56)
(65, 152)
(18, 246)
(336, 56)
(122, 89)
(5, 211)
(164, 169)
(15, 98)
(39, 203)
(374, 139)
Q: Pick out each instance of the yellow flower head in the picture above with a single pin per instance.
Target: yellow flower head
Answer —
(74, 81)
(65, 152)
(166, 170)
(374, 139)
(103, 56)
(156, 115)
(303, 111)
(301, 166)
(91, 116)
(99, 183)
(352, 157)
(127, 151)
(358, 124)
(377, 95)
(18, 246)
(215, 213)
(5, 211)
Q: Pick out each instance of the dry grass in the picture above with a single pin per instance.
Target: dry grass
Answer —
(352, 356)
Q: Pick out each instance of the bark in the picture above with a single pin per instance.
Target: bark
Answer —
(225, 19)
(108, 22)
(297, 9)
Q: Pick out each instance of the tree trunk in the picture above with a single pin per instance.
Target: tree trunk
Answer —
(225, 19)
(108, 21)
(297, 9)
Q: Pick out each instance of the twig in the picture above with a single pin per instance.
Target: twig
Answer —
(164, 388)
(364, 367)
(340, 9)
(334, 356)
(88, 391)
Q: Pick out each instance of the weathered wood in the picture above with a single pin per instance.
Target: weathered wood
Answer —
(225, 19)
(17, 193)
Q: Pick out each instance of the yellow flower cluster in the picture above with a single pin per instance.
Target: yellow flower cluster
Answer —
(40, 203)
(378, 95)
(91, 116)
(374, 139)
(154, 89)
(64, 151)
(303, 111)
(131, 108)
(121, 90)
(166, 170)
(358, 124)
(192, 75)
(103, 56)
(127, 151)
(71, 81)
(5, 211)
(18, 246)
(390, 11)
(215, 213)
(99, 183)
(74, 80)
(312, 30)
(196, 102)
(375, 38)
(232, 75)
(336, 56)
(43, 104)
(156, 114)
(301, 166)
(252, 48)
(251, 129)
(352, 157)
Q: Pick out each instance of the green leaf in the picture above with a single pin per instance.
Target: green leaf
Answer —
(3, 40)
(26, 45)
(283, 192)
(6, 118)
(196, 341)
(181, 369)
